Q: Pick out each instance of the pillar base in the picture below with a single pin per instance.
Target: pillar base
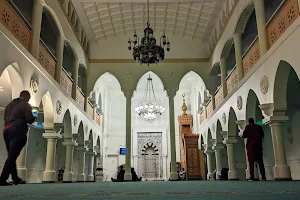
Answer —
(48, 176)
(173, 176)
(282, 172)
(90, 178)
(209, 175)
(22, 173)
(127, 177)
(80, 178)
(68, 177)
(233, 175)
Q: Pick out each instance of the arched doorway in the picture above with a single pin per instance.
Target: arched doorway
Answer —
(253, 111)
(151, 162)
(287, 98)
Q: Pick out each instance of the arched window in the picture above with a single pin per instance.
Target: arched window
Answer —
(49, 33)
(82, 78)
(250, 32)
(230, 60)
(68, 60)
(216, 75)
(270, 8)
(24, 7)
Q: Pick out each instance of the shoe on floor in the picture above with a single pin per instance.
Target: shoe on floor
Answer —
(19, 181)
(4, 183)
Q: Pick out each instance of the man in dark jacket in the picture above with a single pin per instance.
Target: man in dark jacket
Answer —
(17, 115)
(254, 134)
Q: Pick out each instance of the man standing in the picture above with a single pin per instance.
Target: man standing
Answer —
(17, 115)
(254, 134)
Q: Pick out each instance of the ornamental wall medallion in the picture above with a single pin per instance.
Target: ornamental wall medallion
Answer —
(75, 120)
(239, 103)
(264, 84)
(34, 86)
(128, 75)
(224, 118)
(58, 107)
(172, 75)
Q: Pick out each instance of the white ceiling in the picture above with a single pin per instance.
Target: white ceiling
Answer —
(195, 19)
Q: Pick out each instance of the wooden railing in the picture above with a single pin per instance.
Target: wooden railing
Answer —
(80, 97)
(209, 108)
(66, 82)
(219, 96)
(10, 19)
(97, 118)
(232, 80)
(282, 20)
(90, 110)
(202, 116)
(46, 60)
(251, 56)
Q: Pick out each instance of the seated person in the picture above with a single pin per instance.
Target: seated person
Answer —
(134, 175)
(120, 176)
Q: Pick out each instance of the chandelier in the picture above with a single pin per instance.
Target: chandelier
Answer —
(147, 51)
(146, 109)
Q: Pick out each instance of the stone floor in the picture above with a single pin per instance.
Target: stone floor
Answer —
(187, 190)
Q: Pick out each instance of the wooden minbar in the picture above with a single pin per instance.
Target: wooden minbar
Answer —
(190, 158)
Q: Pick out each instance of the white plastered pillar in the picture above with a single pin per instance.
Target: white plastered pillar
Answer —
(37, 13)
(218, 156)
(52, 136)
(59, 57)
(223, 76)
(90, 158)
(128, 175)
(173, 174)
(209, 157)
(237, 38)
(81, 164)
(261, 26)
(68, 173)
(75, 77)
(21, 163)
(229, 142)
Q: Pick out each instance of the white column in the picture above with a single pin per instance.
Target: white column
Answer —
(223, 76)
(49, 173)
(68, 173)
(238, 55)
(209, 159)
(128, 175)
(232, 173)
(21, 164)
(90, 176)
(37, 13)
(173, 174)
(59, 57)
(75, 77)
(261, 26)
(281, 169)
(81, 164)
(165, 167)
(218, 156)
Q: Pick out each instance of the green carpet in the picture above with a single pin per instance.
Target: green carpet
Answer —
(187, 190)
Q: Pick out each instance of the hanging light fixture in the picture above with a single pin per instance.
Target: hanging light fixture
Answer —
(146, 109)
(147, 52)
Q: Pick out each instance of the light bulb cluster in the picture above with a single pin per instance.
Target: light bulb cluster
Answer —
(150, 111)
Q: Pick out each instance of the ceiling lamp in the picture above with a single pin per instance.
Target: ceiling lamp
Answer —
(146, 109)
(147, 52)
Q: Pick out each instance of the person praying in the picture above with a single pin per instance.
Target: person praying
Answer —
(254, 134)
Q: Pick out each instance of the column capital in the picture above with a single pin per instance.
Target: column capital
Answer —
(128, 94)
(267, 108)
(51, 134)
(275, 120)
(230, 141)
(208, 151)
(241, 125)
(171, 92)
(82, 148)
(70, 143)
(40, 1)
(217, 145)
(91, 153)
(58, 127)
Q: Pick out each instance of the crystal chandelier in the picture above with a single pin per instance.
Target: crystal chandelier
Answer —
(147, 52)
(147, 109)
